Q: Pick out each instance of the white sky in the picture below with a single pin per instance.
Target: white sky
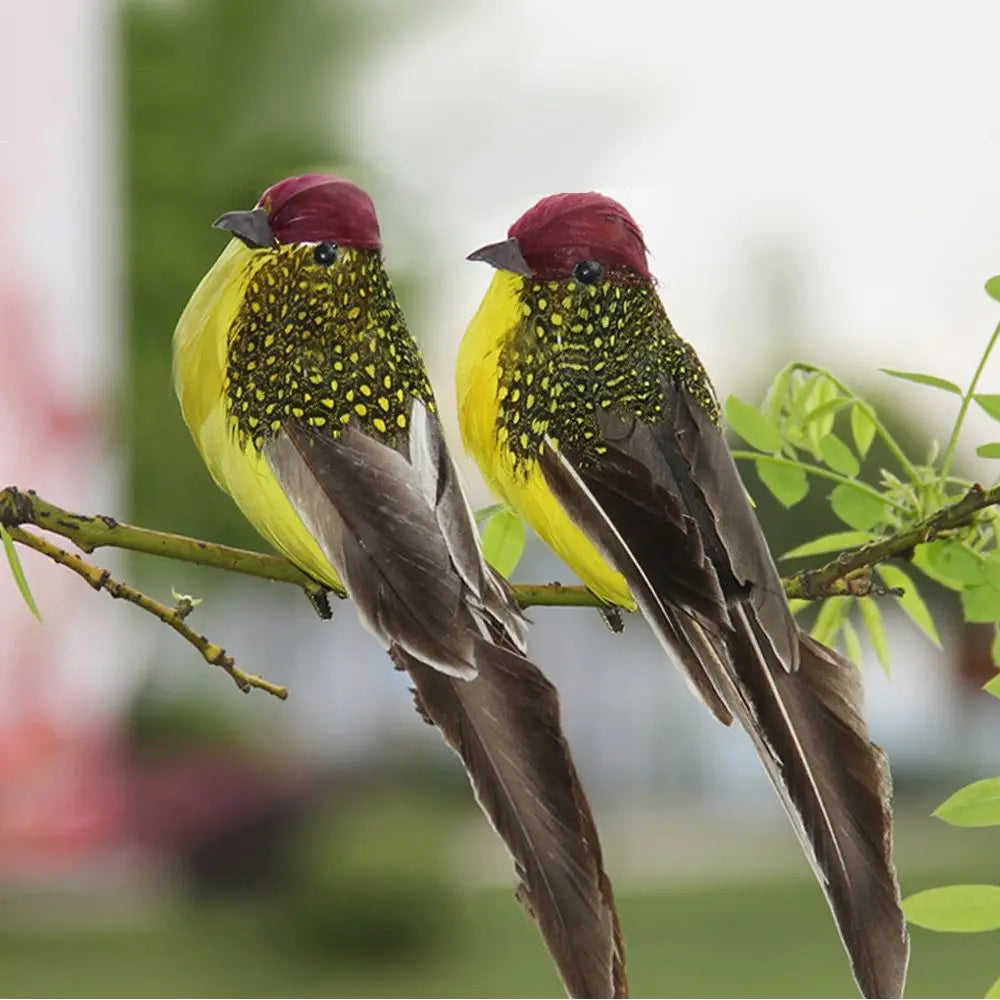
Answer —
(861, 139)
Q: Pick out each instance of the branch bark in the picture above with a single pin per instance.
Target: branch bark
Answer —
(101, 579)
(849, 574)
(850, 568)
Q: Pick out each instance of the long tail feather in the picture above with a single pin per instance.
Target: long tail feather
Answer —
(504, 725)
(805, 722)
(834, 783)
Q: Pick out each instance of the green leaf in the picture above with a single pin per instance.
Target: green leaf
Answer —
(994, 991)
(774, 399)
(992, 287)
(852, 644)
(953, 560)
(818, 420)
(15, 567)
(993, 686)
(961, 908)
(485, 513)
(977, 804)
(981, 603)
(872, 616)
(862, 429)
(838, 541)
(838, 456)
(831, 616)
(922, 379)
(995, 654)
(752, 425)
(503, 542)
(799, 391)
(923, 562)
(856, 508)
(825, 411)
(911, 601)
(991, 450)
(788, 483)
(990, 403)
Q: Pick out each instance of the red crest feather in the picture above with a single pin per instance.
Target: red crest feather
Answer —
(318, 207)
(563, 229)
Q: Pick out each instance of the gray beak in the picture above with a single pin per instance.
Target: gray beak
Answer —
(250, 227)
(505, 256)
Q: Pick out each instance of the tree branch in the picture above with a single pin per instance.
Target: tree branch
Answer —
(850, 574)
(92, 532)
(101, 579)
(846, 573)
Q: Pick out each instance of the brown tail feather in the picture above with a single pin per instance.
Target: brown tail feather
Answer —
(834, 783)
(505, 727)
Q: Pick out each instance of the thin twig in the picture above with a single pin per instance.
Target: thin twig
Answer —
(814, 583)
(101, 579)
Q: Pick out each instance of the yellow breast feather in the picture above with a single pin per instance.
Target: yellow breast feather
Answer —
(519, 483)
(200, 342)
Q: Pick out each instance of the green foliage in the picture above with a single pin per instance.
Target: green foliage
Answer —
(18, 571)
(921, 379)
(977, 804)
(503, 541)
(960, 908)
(964, 908)
(794, 434)
(910, 600)
(753, 426)
(813, 427)
(787, 482)
(872, 618)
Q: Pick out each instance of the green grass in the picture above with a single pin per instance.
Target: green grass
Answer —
(749, 938)
(370, 908)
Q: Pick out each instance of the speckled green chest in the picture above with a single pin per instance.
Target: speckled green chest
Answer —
(579, 347)
(322, 345)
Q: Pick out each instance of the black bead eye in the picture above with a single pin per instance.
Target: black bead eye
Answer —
(588, 271)
(325, 253)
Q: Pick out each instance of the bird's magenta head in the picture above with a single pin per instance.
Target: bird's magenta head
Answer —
(307, 209)
(565, 232)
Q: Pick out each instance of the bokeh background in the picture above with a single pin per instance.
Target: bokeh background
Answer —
(816, 181)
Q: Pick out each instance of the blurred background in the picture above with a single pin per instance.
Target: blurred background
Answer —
(816, 181)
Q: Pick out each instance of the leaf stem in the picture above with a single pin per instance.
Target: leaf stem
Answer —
(818, 470)
(883, 432)
(949, 452)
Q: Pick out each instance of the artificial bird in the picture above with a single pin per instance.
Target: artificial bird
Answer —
(591, 418)
(309, 403)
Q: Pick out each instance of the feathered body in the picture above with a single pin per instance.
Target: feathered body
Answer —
(273, 338)
(589, 415)
(308, 400)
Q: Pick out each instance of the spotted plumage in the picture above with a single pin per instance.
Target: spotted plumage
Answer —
(321, 344)
(577, 348)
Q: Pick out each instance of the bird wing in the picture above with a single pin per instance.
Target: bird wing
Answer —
(394, 523)
(666, 505)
